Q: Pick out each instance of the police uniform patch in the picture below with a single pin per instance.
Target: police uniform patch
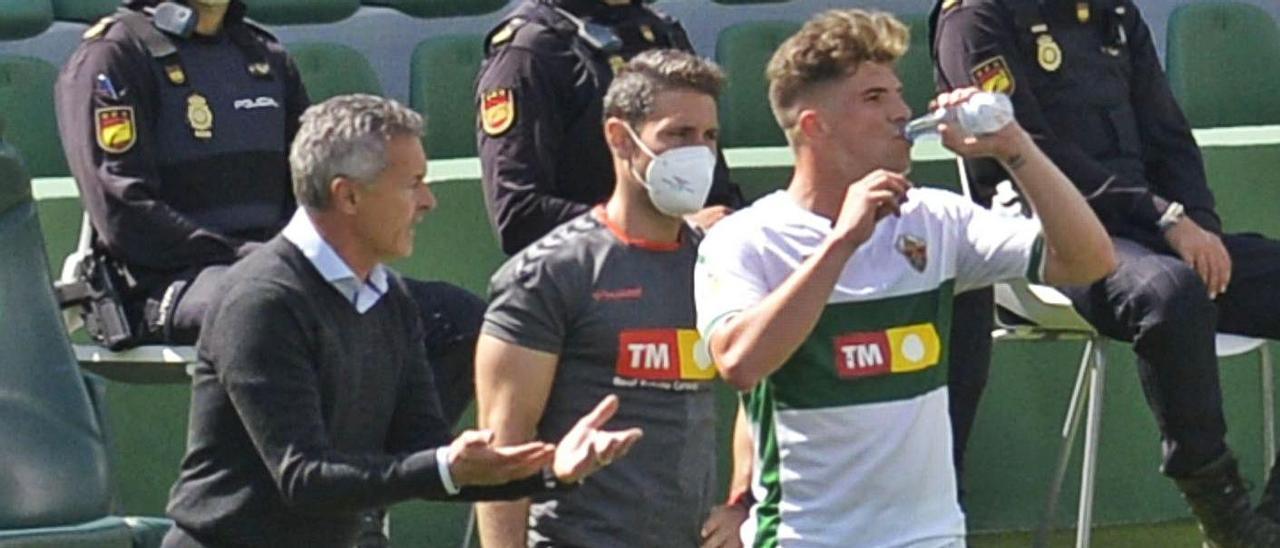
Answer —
(1048, 54)
(993, 75)
(497, 111)
(114, 129)
(199, 116)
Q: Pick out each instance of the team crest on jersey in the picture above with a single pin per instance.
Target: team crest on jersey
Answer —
(915, 250)
(497, 111)
(115, 129)
(993, 75)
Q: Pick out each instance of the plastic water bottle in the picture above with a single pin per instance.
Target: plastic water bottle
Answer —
(983, 113)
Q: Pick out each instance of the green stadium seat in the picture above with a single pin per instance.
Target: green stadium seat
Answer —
(915, 69)
(743, 50)
(333, 69)
(24, 18)
(1223, 63)
(26, 107)
(442, 73)
(292, 12)
(84, 11)
(440, 8)
(55, 487)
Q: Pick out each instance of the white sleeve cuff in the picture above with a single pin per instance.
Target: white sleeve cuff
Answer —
(443, 455)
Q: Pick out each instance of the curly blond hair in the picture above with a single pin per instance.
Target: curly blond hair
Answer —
(829, 47)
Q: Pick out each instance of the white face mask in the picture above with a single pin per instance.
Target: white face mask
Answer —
(679, 179)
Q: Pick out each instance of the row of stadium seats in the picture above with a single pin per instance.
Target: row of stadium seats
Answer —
(1230, 52)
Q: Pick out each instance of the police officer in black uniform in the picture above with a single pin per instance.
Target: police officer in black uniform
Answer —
(1087, 84)
(539, 96)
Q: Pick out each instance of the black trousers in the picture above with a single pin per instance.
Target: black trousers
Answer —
(451, 318)
(970, 363)
(1158, 302)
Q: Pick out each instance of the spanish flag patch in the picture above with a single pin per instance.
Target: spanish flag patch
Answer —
(497, 111)
(993, 75)
(114, 128)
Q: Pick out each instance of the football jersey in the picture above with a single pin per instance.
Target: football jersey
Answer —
(852, 437)
(619, 314)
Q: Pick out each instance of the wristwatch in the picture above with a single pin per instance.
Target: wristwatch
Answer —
(1172, 215)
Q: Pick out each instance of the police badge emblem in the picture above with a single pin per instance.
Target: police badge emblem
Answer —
(199, 116)
(1048, 54)
(915, 250)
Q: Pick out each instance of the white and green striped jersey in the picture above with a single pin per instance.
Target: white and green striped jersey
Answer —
(852, 437)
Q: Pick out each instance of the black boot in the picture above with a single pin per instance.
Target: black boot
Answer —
(1218, 499)
(1269, 506)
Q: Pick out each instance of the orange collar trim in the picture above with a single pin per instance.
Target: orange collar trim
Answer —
(631, 241)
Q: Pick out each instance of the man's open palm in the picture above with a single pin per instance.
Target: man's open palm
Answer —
(587, 448)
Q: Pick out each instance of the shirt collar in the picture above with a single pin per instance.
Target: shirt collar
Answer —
(302, 233)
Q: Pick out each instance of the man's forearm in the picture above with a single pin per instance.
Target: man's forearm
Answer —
(503, 524)
(1079, 250)
(757, 341)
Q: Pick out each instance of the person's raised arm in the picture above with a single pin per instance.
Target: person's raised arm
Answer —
(1078, 249)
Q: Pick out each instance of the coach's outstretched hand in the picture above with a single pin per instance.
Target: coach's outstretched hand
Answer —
(474, 460)
(587, 448)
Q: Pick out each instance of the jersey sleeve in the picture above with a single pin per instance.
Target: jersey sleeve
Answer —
(532, 298)
(993, 248)
(728, 278)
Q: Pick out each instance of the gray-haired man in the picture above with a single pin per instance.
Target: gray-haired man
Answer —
(312, 401)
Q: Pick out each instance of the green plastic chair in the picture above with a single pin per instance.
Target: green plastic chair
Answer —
(440, 8)
(83, 11)
(293, 12)
(1223, 62)
(55, 486)
(743, 50)
(333, 69)
(442, 73)
(26, 106)
(24, 18)
(915, 69)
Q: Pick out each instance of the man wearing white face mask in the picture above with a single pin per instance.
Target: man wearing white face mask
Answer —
(604, 304)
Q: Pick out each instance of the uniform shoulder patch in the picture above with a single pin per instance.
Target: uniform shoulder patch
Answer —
(114, 129)
(497, 111)
(993, 75)
(99, 28)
